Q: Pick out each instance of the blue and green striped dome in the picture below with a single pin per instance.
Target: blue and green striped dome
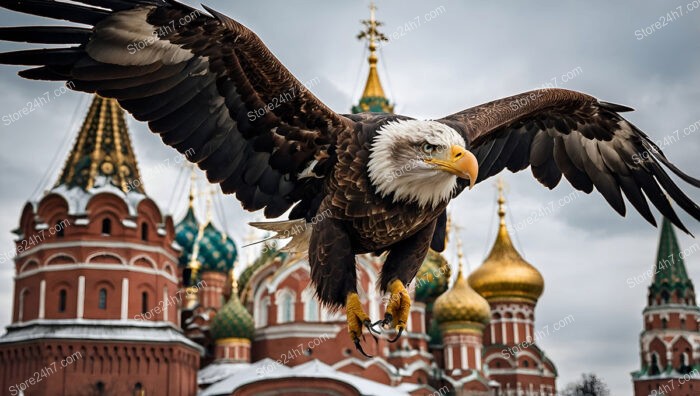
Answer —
(232, 321)
(216, 250)
(185, 235)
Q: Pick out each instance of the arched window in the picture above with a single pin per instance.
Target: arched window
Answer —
(664, 323)
(102, 299)
(106, 226)
(144, 302)
(684, 367)
(311, 310)
(288, 306)
(682, 323)
(526, 363)
(665, 297)
(100, 388)
(138, 389)
(60, 230)
(144, 231)
(22, 297)
(262, 314)
(654, 366)
(285, 306)
(62, 296)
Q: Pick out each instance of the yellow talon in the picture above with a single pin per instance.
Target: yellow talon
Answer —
(399, 307)
(357, 319)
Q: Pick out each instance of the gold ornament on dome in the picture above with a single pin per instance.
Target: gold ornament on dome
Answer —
(107, 168)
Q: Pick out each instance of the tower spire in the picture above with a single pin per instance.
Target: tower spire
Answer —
(373, 98)
(193, 185)
(670, 274)
(460, 258)
(500, 185)
(102, 153)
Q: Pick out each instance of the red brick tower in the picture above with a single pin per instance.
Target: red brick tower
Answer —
(96, 288)
(512, 286)
(670, 341)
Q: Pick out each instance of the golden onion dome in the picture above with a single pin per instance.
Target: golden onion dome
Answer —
(505, 275)
(461, 307)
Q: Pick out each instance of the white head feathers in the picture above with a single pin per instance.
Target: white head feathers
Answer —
(396, 162)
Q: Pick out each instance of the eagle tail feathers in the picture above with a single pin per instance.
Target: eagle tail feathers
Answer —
(298, 230)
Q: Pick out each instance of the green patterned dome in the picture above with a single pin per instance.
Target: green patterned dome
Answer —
(433, 277)
(185, 234)
(232, 321)
(217, 252)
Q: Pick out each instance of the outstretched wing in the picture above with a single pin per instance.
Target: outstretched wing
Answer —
(206, 84)
(565, 132)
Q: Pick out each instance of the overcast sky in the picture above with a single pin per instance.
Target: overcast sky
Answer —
(458, 56)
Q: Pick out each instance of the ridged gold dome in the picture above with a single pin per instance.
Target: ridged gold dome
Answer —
(505, 274)
(461, 307)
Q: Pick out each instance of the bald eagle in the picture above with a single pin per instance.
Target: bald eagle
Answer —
(367, 183)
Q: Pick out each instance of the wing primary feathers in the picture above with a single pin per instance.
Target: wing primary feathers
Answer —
(658, 198)
(46, 34)
(675, 193)
(41, 57)
(651, 147)
(44, 73)
(56, 10)
(635, 196)
(117, 5)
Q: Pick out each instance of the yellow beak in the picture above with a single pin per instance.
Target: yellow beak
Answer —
(460, 163)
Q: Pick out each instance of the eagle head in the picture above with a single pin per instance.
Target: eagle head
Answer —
(419, 161)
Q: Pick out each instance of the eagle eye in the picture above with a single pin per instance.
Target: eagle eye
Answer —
(429, 148)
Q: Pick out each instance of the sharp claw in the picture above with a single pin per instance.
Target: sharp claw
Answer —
(379, 322)
(397, 336)
(384, 322)
(358, 346)
(368, 325)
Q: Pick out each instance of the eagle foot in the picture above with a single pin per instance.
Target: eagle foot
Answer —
(397, 310)
(357, 320)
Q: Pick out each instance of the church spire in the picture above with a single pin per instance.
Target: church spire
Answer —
(102, 153)
(373, 98)
(670, 275)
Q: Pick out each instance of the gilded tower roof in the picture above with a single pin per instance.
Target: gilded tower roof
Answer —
(102, 153)
(373, 98)
(461, 308)
(505, 274)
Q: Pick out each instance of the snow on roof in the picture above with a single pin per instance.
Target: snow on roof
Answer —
(98, 330)
(78, 198)
(267, 369)
(217, 371)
